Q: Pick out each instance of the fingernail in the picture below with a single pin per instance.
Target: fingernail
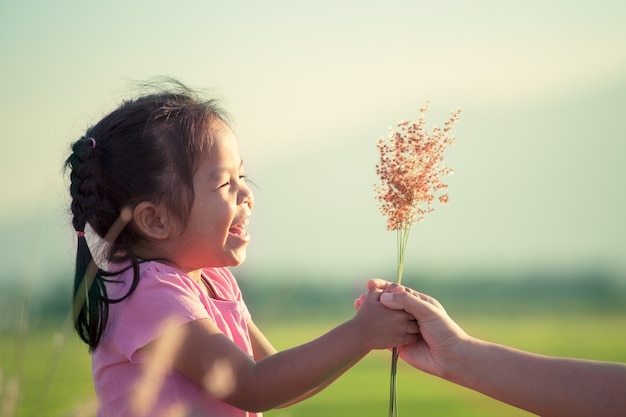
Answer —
(386, 297)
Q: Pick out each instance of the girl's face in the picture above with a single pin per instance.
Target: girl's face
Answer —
(216, 233)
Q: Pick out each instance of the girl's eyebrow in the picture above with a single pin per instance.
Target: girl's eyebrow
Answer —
(221, 169)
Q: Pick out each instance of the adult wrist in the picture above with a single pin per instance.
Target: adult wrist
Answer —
(457, 366)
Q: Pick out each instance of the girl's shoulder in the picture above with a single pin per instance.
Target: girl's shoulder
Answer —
(154, 273)
(151, 274)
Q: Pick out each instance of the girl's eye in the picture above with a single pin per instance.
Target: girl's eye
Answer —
(227, 183)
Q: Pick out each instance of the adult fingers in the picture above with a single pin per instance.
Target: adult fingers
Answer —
(412, 302)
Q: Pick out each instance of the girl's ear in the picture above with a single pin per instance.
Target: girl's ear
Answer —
(152, 220)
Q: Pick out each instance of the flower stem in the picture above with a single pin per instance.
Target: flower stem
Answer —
(393, 397)
(402, 239)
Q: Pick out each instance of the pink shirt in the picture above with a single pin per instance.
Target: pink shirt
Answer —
(164, 299)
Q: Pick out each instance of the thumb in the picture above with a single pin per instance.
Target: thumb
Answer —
(391, 300)
(409, 302)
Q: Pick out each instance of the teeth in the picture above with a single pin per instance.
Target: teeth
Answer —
(242, 224)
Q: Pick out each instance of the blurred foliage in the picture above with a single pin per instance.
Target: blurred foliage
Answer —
(52, 367)
(592, 290)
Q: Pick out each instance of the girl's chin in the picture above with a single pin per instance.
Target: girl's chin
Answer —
(238, 257)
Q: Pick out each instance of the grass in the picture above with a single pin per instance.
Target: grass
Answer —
(364, 389)
(54, 378)
(51, 370)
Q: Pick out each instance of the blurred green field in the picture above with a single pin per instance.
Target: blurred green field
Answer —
(46, 372)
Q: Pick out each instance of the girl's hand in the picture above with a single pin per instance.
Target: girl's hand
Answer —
(376, 284)
(381, 327)
(440, 336)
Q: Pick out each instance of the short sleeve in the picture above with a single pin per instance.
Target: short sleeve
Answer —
(162, 301)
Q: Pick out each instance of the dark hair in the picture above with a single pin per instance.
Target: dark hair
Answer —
(146, 150)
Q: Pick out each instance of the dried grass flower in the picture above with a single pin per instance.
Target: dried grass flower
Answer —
(411, 169)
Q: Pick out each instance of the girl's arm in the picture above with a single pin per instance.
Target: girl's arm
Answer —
(214, 362)
(260, 345)
(263, 348)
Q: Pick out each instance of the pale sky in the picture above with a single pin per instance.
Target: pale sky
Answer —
(538, 163)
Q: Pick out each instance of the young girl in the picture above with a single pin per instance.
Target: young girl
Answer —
(160, 179)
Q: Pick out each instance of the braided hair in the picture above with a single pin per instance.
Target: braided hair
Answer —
(145, 150)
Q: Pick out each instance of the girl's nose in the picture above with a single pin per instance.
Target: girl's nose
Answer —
(246, 196)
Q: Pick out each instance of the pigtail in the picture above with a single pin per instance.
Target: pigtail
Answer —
(89, 306)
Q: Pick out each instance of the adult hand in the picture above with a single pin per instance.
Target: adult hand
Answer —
(440, 337)
(543, 385)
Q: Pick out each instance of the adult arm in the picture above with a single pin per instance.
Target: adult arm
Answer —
(544, 385)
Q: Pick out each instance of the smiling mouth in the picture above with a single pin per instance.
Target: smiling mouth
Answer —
(239, 230)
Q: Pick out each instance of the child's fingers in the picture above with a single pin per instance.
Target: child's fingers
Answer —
(373, 294)
(394, 287)
(377, 283)
(386, 286)
(359, 301)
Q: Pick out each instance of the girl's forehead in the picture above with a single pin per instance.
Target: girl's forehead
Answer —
(223, 143)
(223, 152)
(220, 132)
